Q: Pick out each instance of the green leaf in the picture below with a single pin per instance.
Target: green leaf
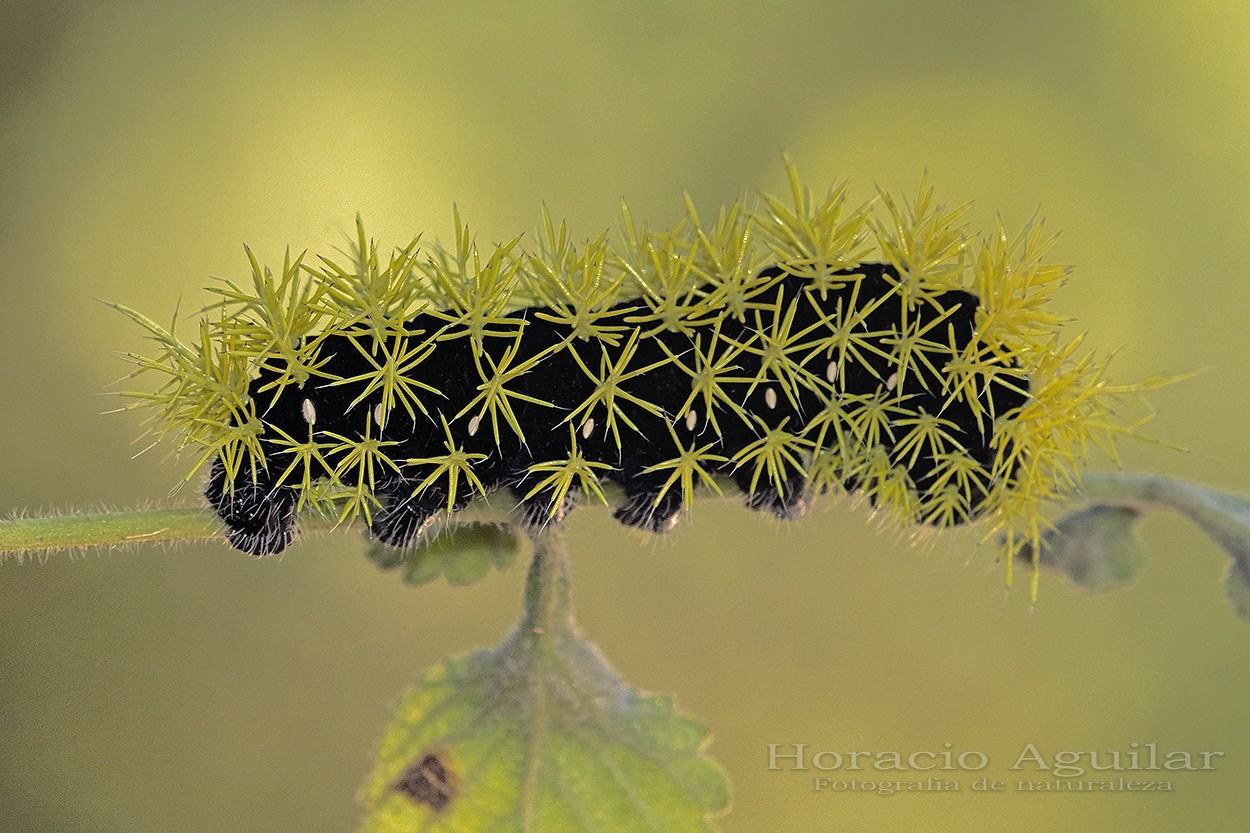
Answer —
(1103, 532)
(464, 553)
(1096, 547)
(540, 734)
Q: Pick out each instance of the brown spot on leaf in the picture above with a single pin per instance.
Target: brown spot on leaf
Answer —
(428, 781)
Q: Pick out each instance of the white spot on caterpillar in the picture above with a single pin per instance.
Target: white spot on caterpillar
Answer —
(770, 398)
(892, 382)
(587, 427)
(474, 424)
(310, 412)
(379, 416)
(831, 372)
(692, 420)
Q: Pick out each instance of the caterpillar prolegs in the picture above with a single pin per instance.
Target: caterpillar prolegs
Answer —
(770, 350)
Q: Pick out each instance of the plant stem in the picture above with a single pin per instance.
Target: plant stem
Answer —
(106, 529)
(548, 601)
(102, 530)
(1143, 491)
(540, 638)
(547, 592)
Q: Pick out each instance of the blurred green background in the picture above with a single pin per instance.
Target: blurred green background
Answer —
(198, 690)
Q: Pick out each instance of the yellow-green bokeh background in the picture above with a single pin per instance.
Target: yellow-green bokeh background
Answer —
(197, 690)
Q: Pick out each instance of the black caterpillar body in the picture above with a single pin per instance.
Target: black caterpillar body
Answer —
(259, 513)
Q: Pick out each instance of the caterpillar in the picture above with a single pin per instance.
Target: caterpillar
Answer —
(788, 348)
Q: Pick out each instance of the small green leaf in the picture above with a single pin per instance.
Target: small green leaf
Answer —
(1095, 547)
(1120, 498)
(464, 553)
(540, 734)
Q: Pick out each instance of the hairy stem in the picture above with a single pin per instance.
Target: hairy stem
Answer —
(106, 529)
(546, 621)
(103, 530)
(547, 597)
(547, 588)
